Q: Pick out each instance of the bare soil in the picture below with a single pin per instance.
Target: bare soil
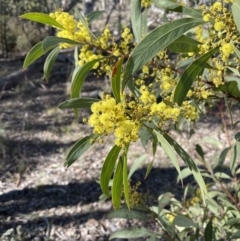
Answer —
(42, 200)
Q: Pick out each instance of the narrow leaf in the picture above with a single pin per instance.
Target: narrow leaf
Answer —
(183, 221)
(84, 22)
(77, 103)
(125, 180)
(51, 42)
(220, 161)
(156, 41)
(184, 44)
(35, 53)
(117, 184)
(177, 7)
(136, 19)
(189, 75)
(168, 150)
(208, 233)
(49, 62)
(232, 221)
(237, 136)
(200, 151)
(136, 165)
(235, 12)
(154, 149)
(94, 15)
(230, 87)
(144, 136)
(116, 80)
(190, 163)
(131, 233)
(184, 173)
(78, 79)
(222, 175)
(78, 149)
(237, 52)
(236, 235)
(164, 200)
(42, 18)
(107, 169)
(234, 70)
(234, 157)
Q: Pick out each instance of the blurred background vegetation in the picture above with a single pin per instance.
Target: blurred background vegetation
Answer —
(18, 36)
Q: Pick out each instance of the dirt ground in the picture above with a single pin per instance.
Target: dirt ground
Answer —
(42, 200)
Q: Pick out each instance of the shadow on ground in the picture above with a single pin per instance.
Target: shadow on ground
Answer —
(17, 203)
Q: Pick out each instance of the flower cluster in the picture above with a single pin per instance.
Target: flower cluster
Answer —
(221, 32)
(135, 197)
(93, 47)
(110, 117)
(146, 3)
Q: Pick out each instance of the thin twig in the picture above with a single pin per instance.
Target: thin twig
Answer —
(111, 11)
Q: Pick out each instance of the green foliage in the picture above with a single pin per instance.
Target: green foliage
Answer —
(189, 75)
(151, 93)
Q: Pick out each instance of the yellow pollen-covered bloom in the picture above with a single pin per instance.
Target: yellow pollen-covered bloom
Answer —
(146, 3)
(219, 25)
(217, 6)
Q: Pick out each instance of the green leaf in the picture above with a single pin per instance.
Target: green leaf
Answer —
(125, 180)
(35, 53)
(116, 80)
(131, 233)
(78, 79)
(237, 52)
(200, 151)
(219, 161)
(94, 15)
(156, 41)
(154, 149)
(164, 200)
(236, 235)
(213, 206)
(230, 87)
(235, 12)
(166, 4)
(107, 169)
(136, 165)
(234, 157)
(183, 221)
(144, 136)
(51, 42)
(190, 163)
(132, 87)
(117, 184)
(137, 20)
(184, 173)
(168, 150)
(79, 148)
(42, 18)
(234, 70)
(189, 75)
(49, 62)
(208, 233)
(76, 56)
(77, 103)
(176, 7)
(232, 221)
(222, 175)
(184, 44)
(133, 214)
(84, 22)
(237, 136)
